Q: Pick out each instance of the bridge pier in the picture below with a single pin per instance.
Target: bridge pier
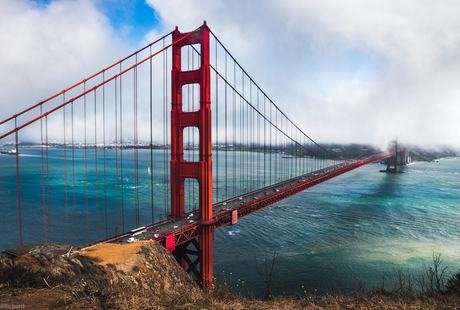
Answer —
(183, 254)
(201, 170)
(400, 158)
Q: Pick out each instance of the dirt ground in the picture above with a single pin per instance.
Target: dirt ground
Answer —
(123, 256)
(143, 275)
(45, 298)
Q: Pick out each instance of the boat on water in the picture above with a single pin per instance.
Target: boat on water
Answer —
(12, 152)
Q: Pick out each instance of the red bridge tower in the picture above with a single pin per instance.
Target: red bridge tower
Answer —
(201, 170)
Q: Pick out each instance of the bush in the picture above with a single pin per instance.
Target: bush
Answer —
(453, 284)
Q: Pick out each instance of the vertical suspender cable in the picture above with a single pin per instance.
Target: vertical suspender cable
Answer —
(167, 139)
(275, 145)
(86, 165)
(188, 131)
(226, 141)
(121, 154)
(302, 153)
(217, 131)
(285, 149)
(258, 142)
(165, 186)
(265, 145)
(251, 139)
(65, 173)
(116, 154)
(18, 183)
(243, 176)
(48, 179)
(270, 158)
(193, 102)
(103, 148)
(294, 162)
(95, 163)
(73, 177)
(136, 172)
(43, 173)
(193, 136)
(151, 134)
(241, 163)
(234, 130)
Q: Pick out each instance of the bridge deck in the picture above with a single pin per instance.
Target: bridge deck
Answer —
(187, 228)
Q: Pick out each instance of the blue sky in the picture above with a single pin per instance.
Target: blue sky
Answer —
(347, 65)
(131, 19)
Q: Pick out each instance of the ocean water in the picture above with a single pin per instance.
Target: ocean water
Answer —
(347, 232)
(350, 232)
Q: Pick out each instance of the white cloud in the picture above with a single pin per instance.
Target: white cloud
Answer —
(344, 71)
(49, 48)
(364, 71)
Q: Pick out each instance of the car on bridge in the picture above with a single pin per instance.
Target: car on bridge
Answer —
(131, 239)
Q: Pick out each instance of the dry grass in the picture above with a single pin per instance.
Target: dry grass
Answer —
(156, 281)
(112, 253)
(123, 256)
(126, 297)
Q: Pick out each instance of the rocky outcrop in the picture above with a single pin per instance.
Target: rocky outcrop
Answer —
(99, 273)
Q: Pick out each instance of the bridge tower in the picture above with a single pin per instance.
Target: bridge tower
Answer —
(392, 162)
(201, 170)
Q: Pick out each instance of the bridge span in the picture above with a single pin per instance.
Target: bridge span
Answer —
(89, 173)
(183, 231)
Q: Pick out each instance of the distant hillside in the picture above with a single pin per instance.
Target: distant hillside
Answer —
(349, 150)
(416, 153)
(421, 154)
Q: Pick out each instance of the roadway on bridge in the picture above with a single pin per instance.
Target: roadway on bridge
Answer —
(162, 229)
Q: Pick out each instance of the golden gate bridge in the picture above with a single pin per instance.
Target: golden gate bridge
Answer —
(215, 146)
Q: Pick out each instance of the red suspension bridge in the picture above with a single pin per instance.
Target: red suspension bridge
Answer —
(177, 136)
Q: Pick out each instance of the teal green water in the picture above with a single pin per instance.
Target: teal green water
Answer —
(351, 230)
